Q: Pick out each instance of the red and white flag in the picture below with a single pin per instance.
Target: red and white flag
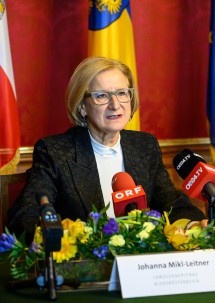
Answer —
(9, 121)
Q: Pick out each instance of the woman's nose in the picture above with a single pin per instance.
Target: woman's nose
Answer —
(114, 103)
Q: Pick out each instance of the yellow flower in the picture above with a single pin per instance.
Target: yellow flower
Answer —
(194, 231)
(134, 212)
(68, 249)
(117, 240)
(87, 232)
(38, 238)
(178, 236)
(143, 235)
(74, 228)
(136, 217)
(2, 8)
(71, 231)
(147, 227)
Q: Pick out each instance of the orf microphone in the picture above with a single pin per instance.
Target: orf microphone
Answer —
(51, 226)
(199, 177)
(126, 195)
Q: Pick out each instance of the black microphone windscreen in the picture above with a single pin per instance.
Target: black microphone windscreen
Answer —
(185, 161)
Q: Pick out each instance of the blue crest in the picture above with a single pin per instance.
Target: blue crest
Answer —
(102, 15)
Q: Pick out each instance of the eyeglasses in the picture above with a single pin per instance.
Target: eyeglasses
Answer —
(102, 97)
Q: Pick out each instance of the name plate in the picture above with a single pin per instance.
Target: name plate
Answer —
(163, 273)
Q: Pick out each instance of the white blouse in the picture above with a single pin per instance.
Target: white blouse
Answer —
(109, 162)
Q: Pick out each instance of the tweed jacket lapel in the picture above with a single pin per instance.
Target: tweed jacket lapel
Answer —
(130, 158)
(84, 172)
(136, 154)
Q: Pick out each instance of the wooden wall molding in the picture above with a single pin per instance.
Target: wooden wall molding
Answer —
(182, 142)
(169, 149)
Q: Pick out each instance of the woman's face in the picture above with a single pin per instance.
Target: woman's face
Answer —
(106, 121)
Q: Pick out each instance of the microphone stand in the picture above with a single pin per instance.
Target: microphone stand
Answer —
(52, 231)
(52, 281)
(50, 277)
(209, 193)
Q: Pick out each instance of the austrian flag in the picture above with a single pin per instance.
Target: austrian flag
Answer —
(9, 121)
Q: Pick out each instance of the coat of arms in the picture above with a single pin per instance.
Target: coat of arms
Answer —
(2, 8)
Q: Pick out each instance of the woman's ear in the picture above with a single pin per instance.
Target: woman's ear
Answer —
(82, 111)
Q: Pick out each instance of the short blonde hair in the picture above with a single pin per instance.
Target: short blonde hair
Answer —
(83, 76)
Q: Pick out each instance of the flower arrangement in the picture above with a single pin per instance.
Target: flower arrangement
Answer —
(102, 238)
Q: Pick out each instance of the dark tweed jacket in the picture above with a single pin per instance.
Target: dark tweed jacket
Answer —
(65, 166)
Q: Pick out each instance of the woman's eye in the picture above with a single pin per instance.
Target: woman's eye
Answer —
(121, 93)
(102, 96)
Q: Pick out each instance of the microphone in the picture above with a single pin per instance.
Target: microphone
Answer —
(51, 226)
(126, 195)
(198, 176)
(52, 231)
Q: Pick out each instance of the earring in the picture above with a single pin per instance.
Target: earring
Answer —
(84, 121)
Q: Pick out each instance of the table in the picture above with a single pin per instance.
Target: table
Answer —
(33, 295)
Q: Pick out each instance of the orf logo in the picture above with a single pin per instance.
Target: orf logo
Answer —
(2, 8)
(128, 193)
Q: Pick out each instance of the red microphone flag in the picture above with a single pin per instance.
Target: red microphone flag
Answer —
(126, 192)
(195, 181)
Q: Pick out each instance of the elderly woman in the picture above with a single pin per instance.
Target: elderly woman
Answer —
(76, 167)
